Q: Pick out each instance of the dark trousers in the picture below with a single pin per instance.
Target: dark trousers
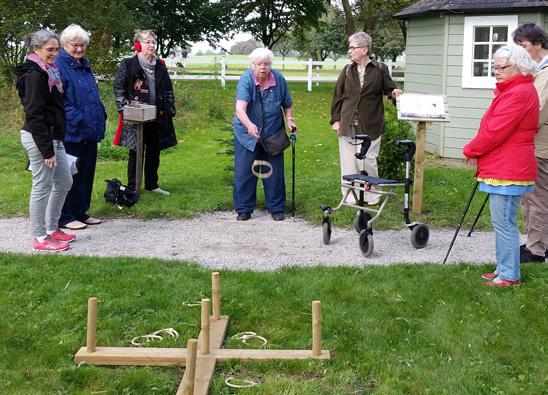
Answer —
(151, 158)
(78, 199)
(245, 183)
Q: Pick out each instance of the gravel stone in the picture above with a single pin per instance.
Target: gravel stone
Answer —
(217, 241)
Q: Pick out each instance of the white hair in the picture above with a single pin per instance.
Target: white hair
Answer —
(74, 31)
(261, 54)
(362, 39)
(517, 56)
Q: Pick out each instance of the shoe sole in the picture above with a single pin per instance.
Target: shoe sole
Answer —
(44, 250)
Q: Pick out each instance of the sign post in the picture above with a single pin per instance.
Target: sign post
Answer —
(421, 108)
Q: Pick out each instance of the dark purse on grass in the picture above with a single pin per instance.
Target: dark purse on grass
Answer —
(120, 194)
(277, 143)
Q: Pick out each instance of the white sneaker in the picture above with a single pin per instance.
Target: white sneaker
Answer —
(161, 191)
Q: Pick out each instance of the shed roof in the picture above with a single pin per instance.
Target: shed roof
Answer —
(423, 7)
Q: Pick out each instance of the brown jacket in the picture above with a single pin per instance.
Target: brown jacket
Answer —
(541, 139)
(368, 100)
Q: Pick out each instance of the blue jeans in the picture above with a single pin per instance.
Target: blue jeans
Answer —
(504, 218)
(245, 183)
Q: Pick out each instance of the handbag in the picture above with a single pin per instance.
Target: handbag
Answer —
(277, 143)
(119, 194)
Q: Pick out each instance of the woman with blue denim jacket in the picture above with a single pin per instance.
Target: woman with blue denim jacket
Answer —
(85, 125)
(262, 101)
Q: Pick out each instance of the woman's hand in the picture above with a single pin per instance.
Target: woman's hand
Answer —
(291, 124)
(336, 127)
(252, 130)
(50, 162)
(471, 161)
(396, 93)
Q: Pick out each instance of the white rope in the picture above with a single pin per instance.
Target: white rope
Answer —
(155, 336)
(246, 336)
(191, 304)
(258, 163)
(242, 382)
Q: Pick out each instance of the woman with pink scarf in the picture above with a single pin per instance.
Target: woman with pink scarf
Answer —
(41, 93)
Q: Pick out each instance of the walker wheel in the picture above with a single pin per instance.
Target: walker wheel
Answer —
(326, 230)
(360, 223)
(419, 236)
(366, 243)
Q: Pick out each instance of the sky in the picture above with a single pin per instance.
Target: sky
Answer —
(204, 46)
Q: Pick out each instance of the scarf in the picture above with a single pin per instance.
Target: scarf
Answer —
(54, 78)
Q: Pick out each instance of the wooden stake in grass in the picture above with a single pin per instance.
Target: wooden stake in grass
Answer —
(92, 324)
(204, 340)
(187, 385)
(216, 295)
(316, 329)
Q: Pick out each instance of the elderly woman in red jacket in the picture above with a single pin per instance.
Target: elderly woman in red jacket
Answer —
(504, 153)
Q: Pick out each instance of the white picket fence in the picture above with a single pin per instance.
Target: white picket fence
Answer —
(311, 70)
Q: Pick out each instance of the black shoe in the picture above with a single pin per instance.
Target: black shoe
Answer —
(243, 216)
(528, 256)
(278, 216)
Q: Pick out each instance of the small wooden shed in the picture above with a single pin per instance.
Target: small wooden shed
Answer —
(449, 48)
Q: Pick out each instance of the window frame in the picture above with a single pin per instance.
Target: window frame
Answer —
(470, 22)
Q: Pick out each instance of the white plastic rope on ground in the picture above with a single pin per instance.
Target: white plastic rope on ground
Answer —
(191, 304)
(245, 336)
(239, 383)
(155, 336)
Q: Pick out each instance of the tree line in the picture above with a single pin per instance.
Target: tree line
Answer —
(314, 28)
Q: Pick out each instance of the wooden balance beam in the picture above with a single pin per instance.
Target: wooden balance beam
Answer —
(202, 354)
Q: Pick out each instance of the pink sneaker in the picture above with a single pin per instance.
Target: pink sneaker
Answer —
(59, 235)
(49, 244)
(489, 276)
(499, 282)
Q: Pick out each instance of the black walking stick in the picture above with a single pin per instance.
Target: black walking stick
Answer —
(293, 139)
(477, 216)
(461, 220)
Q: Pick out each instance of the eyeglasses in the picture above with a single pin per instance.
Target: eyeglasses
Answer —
(353, 48)
(149, 42)
(500, 68)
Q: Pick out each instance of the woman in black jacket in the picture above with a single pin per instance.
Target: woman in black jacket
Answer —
(41, 92)
(144, 78)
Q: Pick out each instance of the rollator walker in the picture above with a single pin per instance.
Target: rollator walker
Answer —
(358, 184)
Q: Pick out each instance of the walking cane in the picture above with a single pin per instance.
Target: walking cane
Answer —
(293, 139)
(477, 216)
(461, 220)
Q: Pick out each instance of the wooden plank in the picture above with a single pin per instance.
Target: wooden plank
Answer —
(145, 356)
(227, 354)
(172, 356)
(205, 367)
(217, 331)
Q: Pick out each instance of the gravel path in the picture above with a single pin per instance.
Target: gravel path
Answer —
(217, 240)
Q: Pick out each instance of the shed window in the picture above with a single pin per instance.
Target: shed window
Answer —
(482, 37)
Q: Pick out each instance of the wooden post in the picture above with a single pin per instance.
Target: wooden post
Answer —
(92, 324)
(216, 295)
(204, 344)
(419, 168)
(316, 329)
(187, 386)
(139, 161)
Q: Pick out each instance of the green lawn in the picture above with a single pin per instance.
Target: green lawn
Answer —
(403, 329)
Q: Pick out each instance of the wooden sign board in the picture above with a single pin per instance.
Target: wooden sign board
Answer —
(422, 108)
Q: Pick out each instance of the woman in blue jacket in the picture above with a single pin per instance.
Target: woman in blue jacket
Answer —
(85, 125)
(262, 101)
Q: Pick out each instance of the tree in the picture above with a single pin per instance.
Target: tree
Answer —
(244, 47)
(284, 46)
(269, 20)
(376, 18)
(328, 38)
